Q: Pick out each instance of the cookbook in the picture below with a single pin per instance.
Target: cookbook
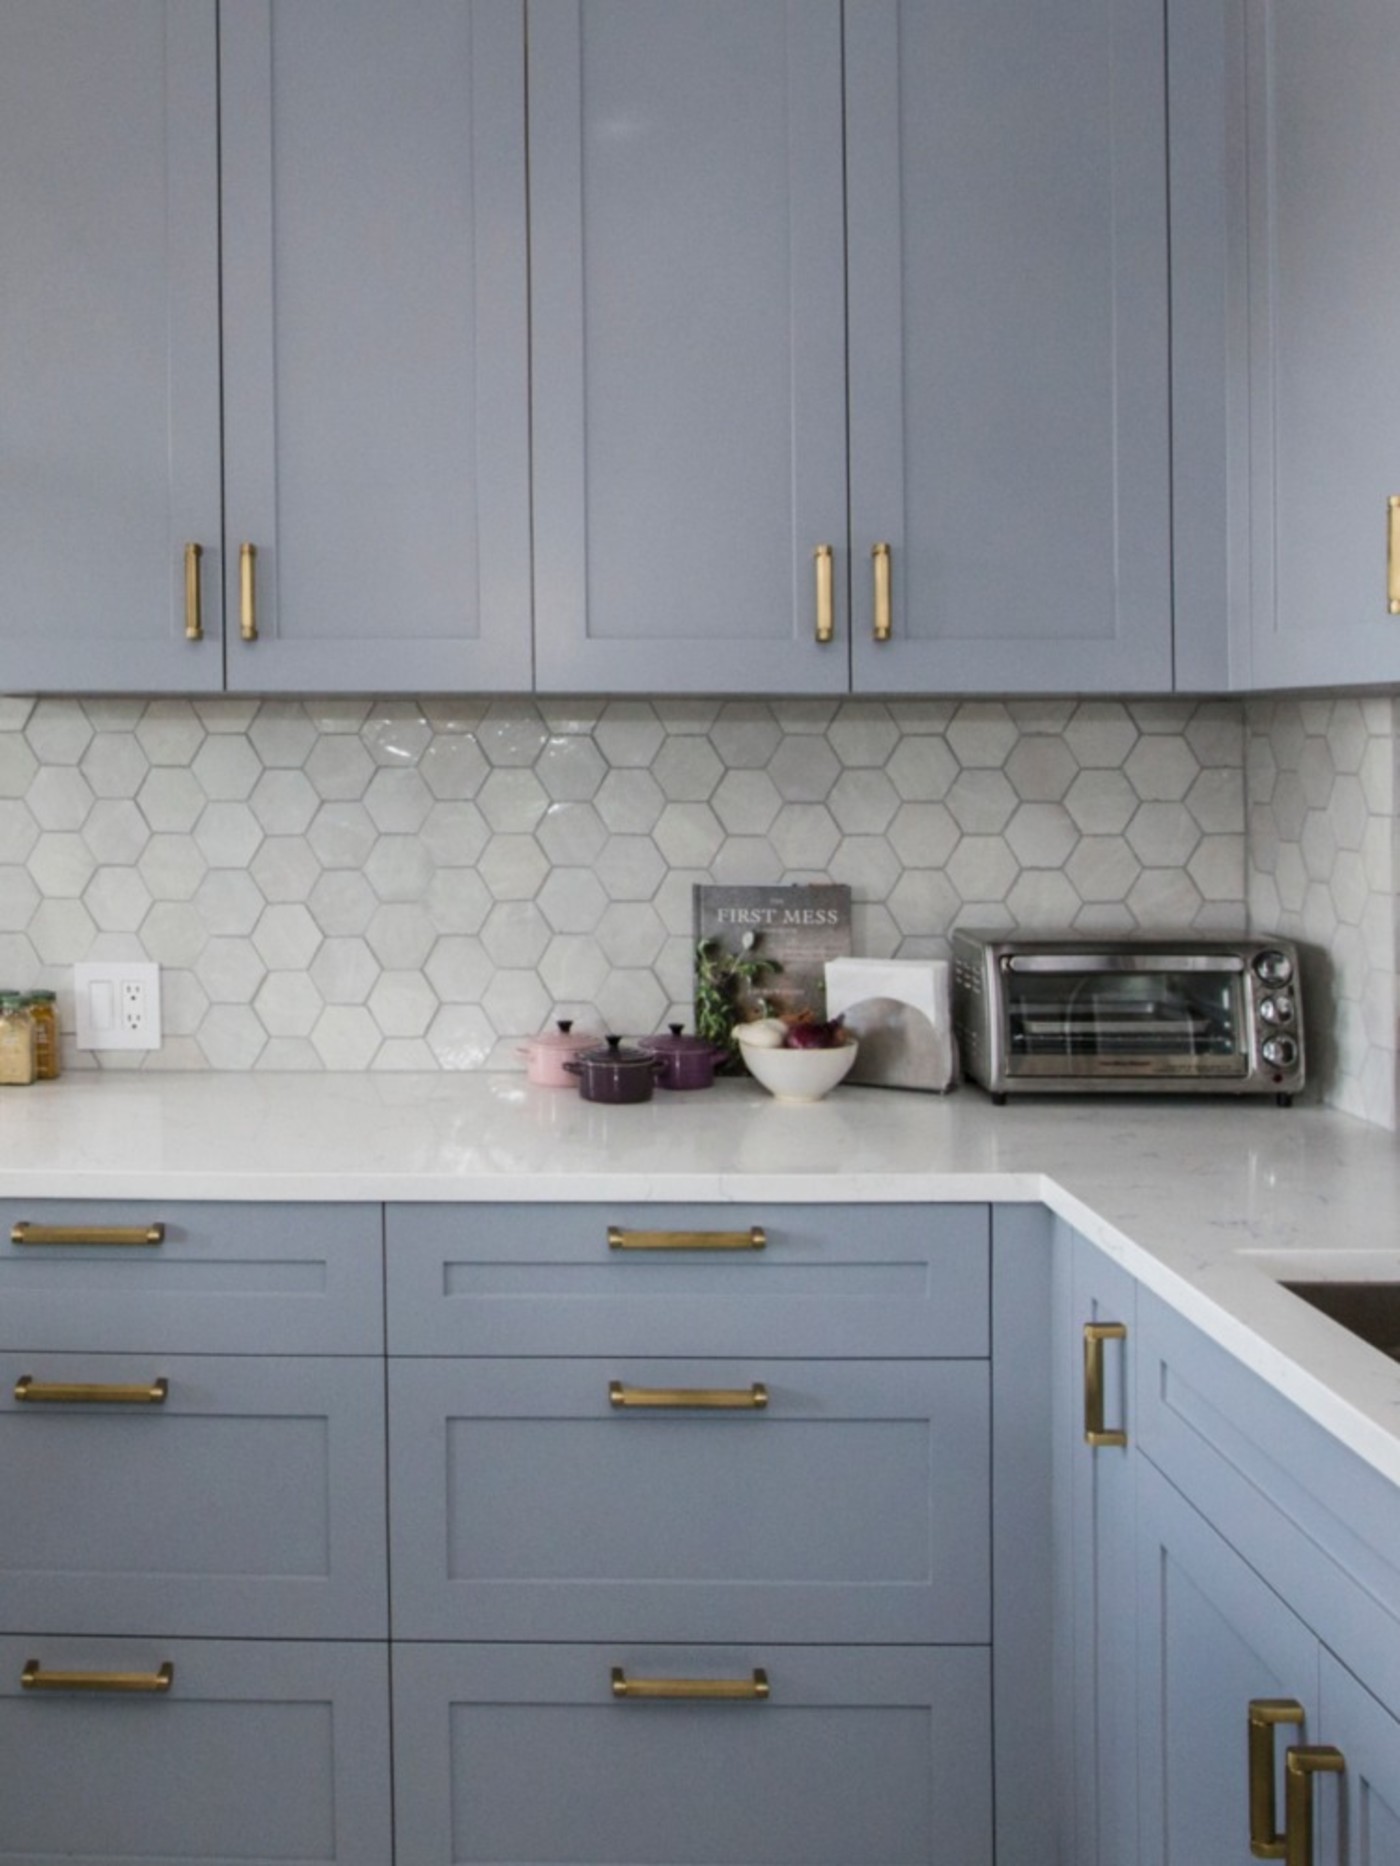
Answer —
(762, 951)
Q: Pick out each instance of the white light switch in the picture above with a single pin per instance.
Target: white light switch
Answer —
(117, 1004)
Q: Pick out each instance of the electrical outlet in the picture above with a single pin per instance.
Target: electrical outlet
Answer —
(118, 1005)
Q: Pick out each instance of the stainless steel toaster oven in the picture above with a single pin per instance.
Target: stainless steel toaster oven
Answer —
(1163, 1016)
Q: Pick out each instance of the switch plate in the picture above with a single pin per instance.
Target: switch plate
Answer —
(118, 1004)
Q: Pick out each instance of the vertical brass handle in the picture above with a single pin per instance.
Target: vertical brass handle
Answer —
(34, 1678)
(194, 609)
(748, 1689)
(884, 623)
(1095, 1335)
(1265, 1715)
(1300, 1765)
(1392, 554)
(826, 601)
(248, 592)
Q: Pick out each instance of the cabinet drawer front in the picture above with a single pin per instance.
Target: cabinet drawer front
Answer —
(257, 1753)
(853, 1505)
(520, 1753)
(224, 1278)
(878, 1281)
(248, 1501)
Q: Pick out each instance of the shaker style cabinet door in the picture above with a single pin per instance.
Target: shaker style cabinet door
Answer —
(1324, 262)
(109, 343)
(375, 345)
(688, 284)
(1008, 328)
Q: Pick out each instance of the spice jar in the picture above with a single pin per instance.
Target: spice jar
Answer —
(16, 1042)
(44, 1017)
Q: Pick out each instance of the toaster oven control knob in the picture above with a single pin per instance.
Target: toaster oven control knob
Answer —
(1279, 1052)
(1278, 1009)
(1272, 967)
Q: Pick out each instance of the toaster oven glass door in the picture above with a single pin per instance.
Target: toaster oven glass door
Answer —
(1124, 1015)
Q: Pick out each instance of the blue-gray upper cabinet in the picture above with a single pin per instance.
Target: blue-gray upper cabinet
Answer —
(1001, 233)
(109, 358)
(1009, 345)
(687, 276)
(375, 358)
(1323, 145)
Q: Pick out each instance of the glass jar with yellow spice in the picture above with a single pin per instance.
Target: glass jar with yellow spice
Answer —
(16, 1041)
(43, 1014)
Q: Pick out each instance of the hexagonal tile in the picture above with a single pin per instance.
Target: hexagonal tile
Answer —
(513, 801)
(1164, 897)
(344, 970)
(571, 833)
(1217, 868)
(1161, 835)
(516, 933)
(687, 769)
(512, 733)
(745, 734)
(62, 864)
(1042, 835)
(804, 768)
(746, 802)
(1042, 900)
(404, 1053)
(513, 867)
(403, 1004)
(18, 899)
(1346, 735)
(868, 866)
(229, 902)
(226, 714)
(284, 802)
(401, 934)
(630, 868)
(346, 1036)
(342, 901)
(632, 1002)
(59, 797)
(171, 798)
(1160, 769)
(18, 765)
(923, 901)
(1104, 868)
(339, 768)
(398, 801)
(337, 715)
(863, 802)
(573, 968)
(516, 1002)
(805, 835)
(174, 934)
(399, 868)
(1216, 801)
(458, 900)
(116, 831)
(572, 900)
(113, 764)
(922, 769)
(286, 937)
(396, 732)
(982, 802)
(170, 732)
(1316, 773)
(453, 767)
(982, 868)
(285, 868)
(459, 969)
(1101, 734)
(230, 970)
(1041, 769)
(982, 734)
(688, 834)
(227, 768)
(461, 1036)
(58, 732)
(227, 834)
(231, 1036)
(863, 733)
(342, 835)
(282, 734)
(630, 934)
(172, 867)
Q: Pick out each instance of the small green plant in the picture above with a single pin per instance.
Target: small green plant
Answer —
(723, 981)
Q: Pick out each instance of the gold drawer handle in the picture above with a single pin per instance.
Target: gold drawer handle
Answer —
(723, 1399)
(194, 612)
(1300, 1765)
(1095, 1334)
(749, 1690)
(32, 1678)
(755, 1238)
(1265, 1715)
(884, 616)
(86, 1393)
(26, 1233)
(1392, 554)
(826, 599)
(248, 592)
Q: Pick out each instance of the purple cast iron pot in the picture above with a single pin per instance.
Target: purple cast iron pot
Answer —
(614, 1074)
(686, 1062)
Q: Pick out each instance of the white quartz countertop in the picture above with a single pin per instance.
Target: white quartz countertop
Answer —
(1206, 1202)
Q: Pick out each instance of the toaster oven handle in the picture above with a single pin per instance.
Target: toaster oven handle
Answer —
(1123, 962)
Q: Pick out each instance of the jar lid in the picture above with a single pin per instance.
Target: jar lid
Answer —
(11, 1001)
(616, 1055)
(40, 997)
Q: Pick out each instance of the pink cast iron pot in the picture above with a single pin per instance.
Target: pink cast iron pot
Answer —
(686, 1062)
(547, 1055)
(614, 1074)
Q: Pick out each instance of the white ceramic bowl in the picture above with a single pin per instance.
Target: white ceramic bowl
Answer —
(799, 1075)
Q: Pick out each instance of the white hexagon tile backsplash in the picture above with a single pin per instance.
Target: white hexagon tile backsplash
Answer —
(357, 884)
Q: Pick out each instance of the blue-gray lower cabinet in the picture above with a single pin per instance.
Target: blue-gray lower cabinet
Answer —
(537, 1499)
(1094, 1316)
(527, 1752)
(1368, 1737)
(228, 1496)
(255, 1752)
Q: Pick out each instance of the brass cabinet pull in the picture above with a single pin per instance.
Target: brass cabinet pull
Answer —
(1300, 1765)
(750, 1690)
(25, 1233)
(33, 1678)
(884, 622)
(755, 1238)
(1095, 1334)
(89, 1393)
(1392, 555)
(716, 1399)
(826, 602)
(194, 610)
(1265, 1715)
(248, 592)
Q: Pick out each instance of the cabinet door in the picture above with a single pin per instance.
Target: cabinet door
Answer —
(1008, 327)
(1212, 1639)
(1095, 1531)
(374, 344)
(688, 343)
(525, 1753)
(109, 352)
(1324, 254)
(1368, 1736)
(852, 1503)
(256, 1752)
